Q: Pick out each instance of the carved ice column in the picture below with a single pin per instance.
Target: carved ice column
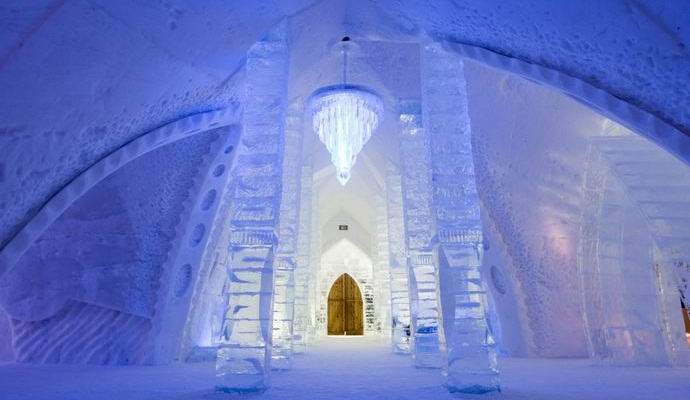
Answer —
(244, 351)
(471, 356)
(399, 287)
(382, 271)
(286, 255)
(415, 159)
(314, 267)
(302, 273)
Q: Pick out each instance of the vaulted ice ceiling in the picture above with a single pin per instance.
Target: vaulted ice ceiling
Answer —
(86, 77)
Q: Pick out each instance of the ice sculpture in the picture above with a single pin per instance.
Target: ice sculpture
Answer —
(471, 357)
(415, 159)
(344, 118)
(244, 350)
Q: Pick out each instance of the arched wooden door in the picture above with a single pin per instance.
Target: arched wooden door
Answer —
(345, 308)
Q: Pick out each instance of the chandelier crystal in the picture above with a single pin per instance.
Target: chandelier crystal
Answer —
(344, 117)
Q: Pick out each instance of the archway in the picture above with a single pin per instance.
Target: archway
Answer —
(345, 307)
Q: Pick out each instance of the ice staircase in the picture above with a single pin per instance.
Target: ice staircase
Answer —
(659, 184)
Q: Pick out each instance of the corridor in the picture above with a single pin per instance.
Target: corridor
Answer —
(345, 368)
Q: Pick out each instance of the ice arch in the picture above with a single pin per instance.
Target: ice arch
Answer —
(540, 35)
(125, 255)
(101, 169)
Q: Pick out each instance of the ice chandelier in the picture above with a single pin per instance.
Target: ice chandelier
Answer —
(344, 116)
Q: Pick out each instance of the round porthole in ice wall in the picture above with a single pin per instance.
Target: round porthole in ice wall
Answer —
(182, 280)
(498, 280)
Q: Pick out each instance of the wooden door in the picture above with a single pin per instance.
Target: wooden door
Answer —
(345, 308)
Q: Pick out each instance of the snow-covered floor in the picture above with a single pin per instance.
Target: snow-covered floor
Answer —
(346, 368)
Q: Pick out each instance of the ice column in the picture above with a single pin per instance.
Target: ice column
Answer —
(382, 276)
(471, 356)
(286, 254)
(415, 159)
(244, 351)
(314, 264)
(400, 297)
(302, 274)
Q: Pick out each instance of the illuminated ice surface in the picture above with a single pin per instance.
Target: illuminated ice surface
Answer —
(170, 202)
(345, 117)
(355, 369)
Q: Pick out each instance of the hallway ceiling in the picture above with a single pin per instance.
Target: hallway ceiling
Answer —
(87, 77)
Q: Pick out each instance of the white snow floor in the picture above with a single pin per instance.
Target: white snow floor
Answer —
(346, 368)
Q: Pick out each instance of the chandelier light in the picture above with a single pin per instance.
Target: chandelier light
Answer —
(344, 116)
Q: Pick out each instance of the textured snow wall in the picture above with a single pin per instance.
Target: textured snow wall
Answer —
(102, 261)
(530, 148)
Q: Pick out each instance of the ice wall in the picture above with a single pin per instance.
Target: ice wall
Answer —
(102, 261)
(530, 147)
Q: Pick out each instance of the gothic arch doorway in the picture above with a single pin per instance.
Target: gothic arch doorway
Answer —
(345, 307)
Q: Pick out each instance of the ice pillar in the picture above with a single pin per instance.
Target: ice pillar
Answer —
(471, 356)
(286, 254)
(304, 264)
(415, 159)
(399, 287)
(244, 351)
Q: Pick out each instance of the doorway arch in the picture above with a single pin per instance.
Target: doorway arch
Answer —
(345, 307)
